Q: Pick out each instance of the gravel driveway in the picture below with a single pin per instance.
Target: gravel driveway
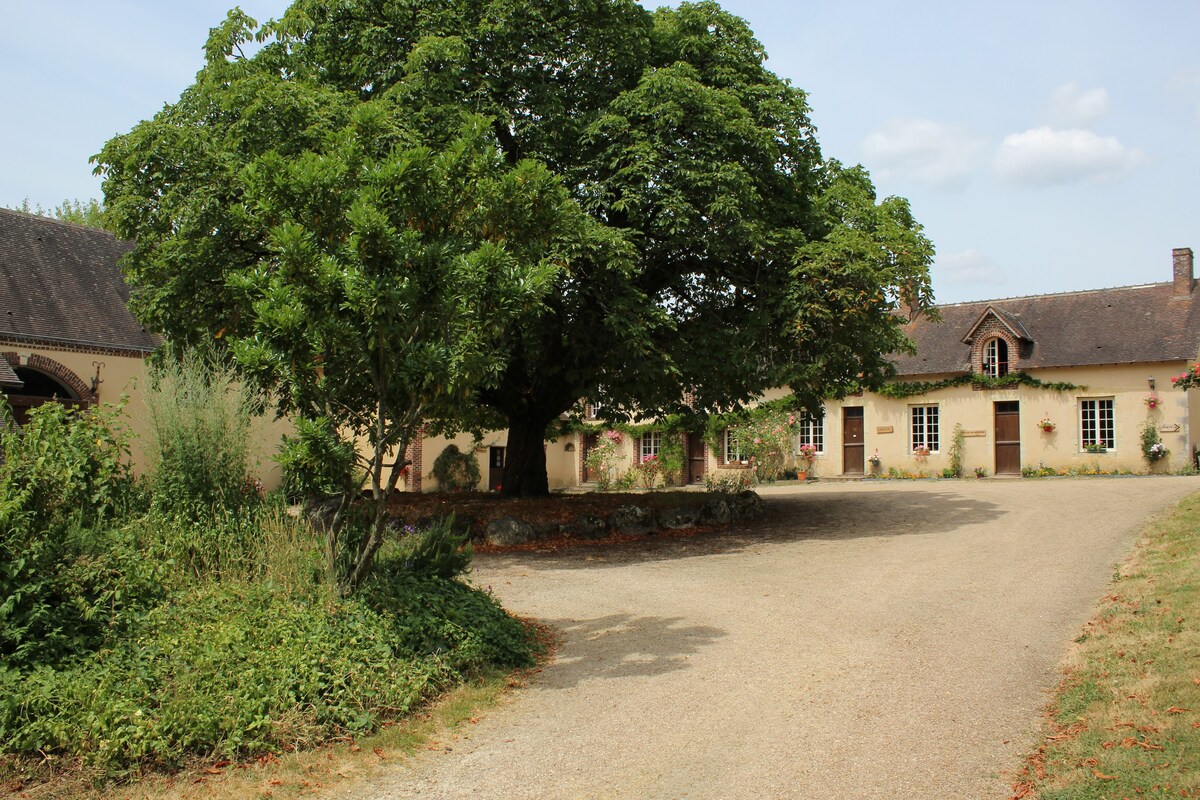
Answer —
(870, 640)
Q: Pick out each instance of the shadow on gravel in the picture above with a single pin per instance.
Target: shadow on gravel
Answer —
(624, 646)
(827, 516)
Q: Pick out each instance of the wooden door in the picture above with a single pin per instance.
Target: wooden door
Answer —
(495, 468)
(697, 460)
(853, 444)
(1008, 437)
(585, 448)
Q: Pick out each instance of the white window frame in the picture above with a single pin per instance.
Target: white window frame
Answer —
(731, 452)
(1097, 417)
(924, 428)
(812, 432)
(649, 444)
(991, 357)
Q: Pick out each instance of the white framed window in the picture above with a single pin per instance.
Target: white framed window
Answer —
(1096, 428)
(811, 431)
(649, 444)
(731, 451)
(924, 428)
(995, 358)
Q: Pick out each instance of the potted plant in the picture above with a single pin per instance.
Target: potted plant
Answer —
(1096, 447)
(875, 461)
(805, 454)
(1153, 401)
(1046, 425)
(980, 472)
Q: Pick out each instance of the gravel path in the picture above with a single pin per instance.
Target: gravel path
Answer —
(871, 640)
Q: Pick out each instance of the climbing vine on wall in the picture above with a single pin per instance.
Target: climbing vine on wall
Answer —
(902, 389)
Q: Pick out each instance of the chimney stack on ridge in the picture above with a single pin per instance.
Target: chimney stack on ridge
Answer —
(1181, 258)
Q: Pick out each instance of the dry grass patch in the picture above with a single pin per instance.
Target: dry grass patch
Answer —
(1125, 721)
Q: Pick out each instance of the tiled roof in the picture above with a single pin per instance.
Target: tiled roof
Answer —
(62, 282)
(1104, 326)
(8, 378)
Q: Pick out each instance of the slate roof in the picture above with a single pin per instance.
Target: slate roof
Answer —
(8, 378)
(1124, 325)
(62, 282)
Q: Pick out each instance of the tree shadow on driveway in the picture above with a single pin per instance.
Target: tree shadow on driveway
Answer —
(624, 646)
(825, 516)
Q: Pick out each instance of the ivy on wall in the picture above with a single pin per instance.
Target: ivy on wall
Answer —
(904, 389)
(715, 424)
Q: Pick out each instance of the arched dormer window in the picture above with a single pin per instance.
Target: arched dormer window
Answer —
(995, 358)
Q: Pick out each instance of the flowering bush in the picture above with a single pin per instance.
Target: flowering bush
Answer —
(766, 442)
(1152, 447)
(648, 470)
(1188, 378)
(921, 453)
(603, 457)
(806, 453)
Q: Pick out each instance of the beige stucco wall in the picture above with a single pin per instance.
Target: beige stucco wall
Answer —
(886, 424)
(973, 409)
(562, 457)
(125, 375)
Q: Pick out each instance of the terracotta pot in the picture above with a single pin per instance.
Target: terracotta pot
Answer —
(802, 476)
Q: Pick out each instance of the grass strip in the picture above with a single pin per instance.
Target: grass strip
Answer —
(1125, 721)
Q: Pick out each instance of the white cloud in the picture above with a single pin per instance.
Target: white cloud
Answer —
(1072, 107)
(969, 266)
(1046, 157)
(941, 155)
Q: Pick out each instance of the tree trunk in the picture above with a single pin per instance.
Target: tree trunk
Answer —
(525, 458)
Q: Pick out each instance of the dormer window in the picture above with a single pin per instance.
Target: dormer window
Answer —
(995, 358)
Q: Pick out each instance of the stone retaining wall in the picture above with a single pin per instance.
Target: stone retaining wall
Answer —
(632, 520)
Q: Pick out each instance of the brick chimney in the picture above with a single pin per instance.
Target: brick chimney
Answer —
(1181, 258)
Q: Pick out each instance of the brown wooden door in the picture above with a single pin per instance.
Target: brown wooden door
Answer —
(585, 449)
(853, 445)
(697, 461)
(495, 467)
(1008, 438)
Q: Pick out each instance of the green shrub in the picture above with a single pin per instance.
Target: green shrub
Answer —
(315, 461)
(1152, 446)
(455, 470)
(958, 444)
(233, 669)
(435, 551)
(671, 458)
(729, 481)
(63, 477)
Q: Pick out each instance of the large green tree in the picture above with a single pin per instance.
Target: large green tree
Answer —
(717, 253)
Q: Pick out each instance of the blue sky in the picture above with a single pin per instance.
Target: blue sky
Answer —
(1045, 146)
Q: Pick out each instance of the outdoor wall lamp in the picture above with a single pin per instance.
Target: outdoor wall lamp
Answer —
(1150, 381)
(97, 380)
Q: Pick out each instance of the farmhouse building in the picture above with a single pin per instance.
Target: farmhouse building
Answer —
(66, 333)
(1057, 381)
